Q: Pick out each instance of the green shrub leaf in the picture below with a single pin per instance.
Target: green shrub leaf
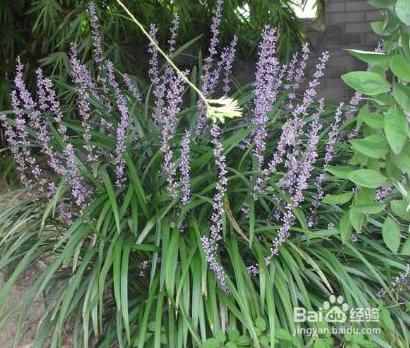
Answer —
(391, 234)
(399, 208)
(357, 219)
(402, 96)
(403, 11)
(395, 128)
(345, 228)
(338, 199)
(367, 178)
(342, 172)
(366, 82)
(374, 146)
(400, 66)
(371, 119)
(402, 160)
(374, 58)
(405, 250)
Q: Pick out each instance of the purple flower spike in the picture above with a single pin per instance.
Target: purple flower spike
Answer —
(98, 55)
(121, 145)
(158, 82)
(48, 101)
(168, 126)
(79, 190)
(84, 83)
(298, 76)
(329, 154)
(17, 153)
(35, 121)
(174, 34)
(210, 74)
(185, 168)
(299, 181)
(226, 63)
(132, 87)
(210, 244)
(265, 93)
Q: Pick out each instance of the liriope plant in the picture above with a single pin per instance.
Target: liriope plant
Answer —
(168, 215)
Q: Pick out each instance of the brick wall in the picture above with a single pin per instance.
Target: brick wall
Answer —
(346, 25)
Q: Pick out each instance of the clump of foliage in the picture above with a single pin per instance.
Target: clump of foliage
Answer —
(188, 214)
(379, 163)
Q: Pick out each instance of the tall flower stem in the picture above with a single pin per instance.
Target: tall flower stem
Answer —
(169, 60)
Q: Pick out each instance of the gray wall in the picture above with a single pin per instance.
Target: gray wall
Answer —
(346, 25)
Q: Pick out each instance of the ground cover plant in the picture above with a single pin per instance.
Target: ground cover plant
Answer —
(189, 213)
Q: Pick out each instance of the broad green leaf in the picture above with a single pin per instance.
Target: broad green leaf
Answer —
(345, 228)
(391, 234)
(367, 178)
(366, 82)
(342, 172)
(371, 119)
(405, 250)
(400, 66)
(364, 197)
(401, 95)
(403, 11)
(374, 146)
(399, 208)
(338, 199)
(395, 128)
(379, 27)
(370, 57)
(402, 160)
(357, 219)
(369, 208)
